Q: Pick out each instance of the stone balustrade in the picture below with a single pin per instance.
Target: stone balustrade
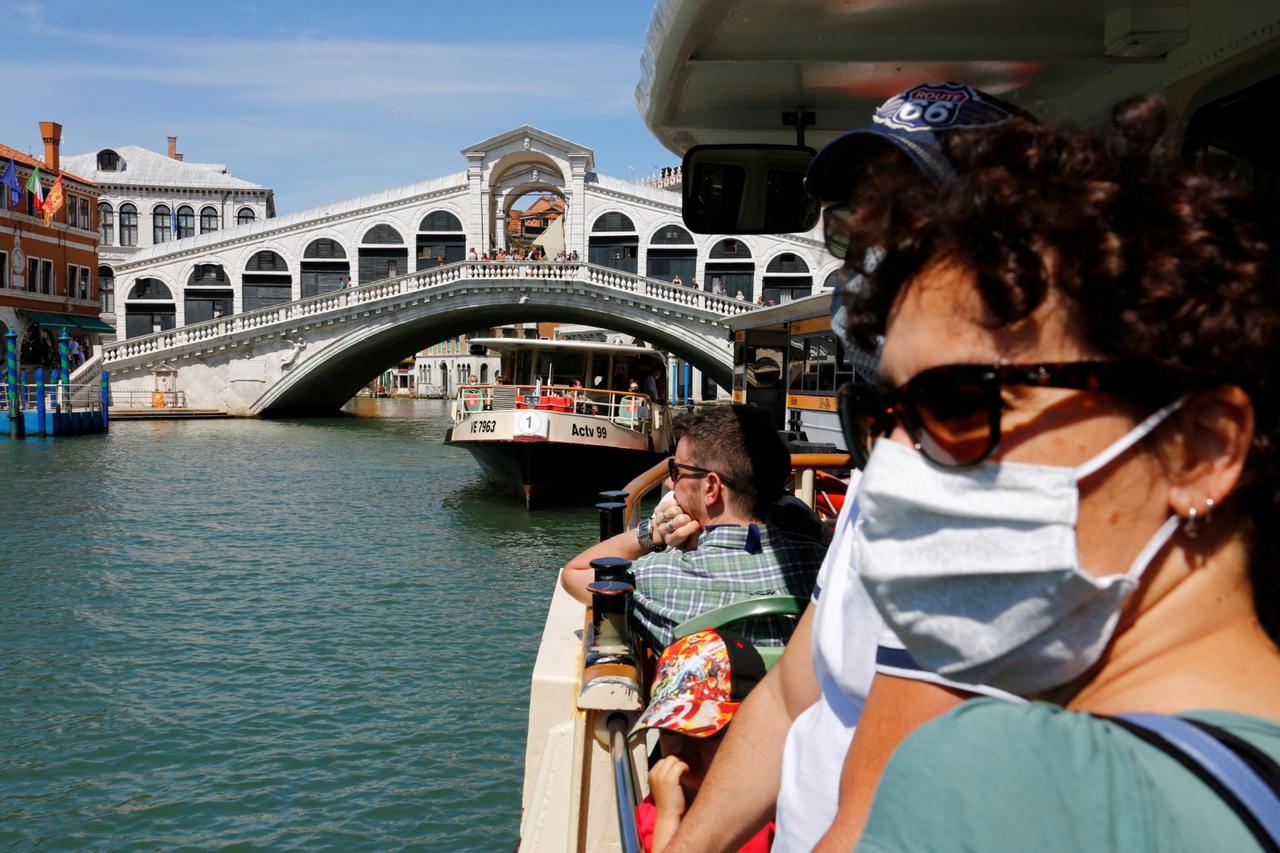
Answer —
(227, 329)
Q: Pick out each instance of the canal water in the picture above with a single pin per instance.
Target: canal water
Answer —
(304, 633)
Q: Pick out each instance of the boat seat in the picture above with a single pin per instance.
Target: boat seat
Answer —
(741, 611)
(631, 411)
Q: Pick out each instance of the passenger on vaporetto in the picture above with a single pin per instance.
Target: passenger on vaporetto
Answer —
(708, 546)
(793, 750)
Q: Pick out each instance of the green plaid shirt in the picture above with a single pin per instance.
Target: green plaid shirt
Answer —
(731, 563)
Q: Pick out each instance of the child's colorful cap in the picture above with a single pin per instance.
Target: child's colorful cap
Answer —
(701, 680)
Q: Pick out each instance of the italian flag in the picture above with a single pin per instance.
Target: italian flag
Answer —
(33, 187)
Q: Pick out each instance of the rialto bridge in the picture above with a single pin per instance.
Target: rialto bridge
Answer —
(296, 313)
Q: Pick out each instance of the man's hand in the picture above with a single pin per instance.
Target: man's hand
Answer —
(672, 526)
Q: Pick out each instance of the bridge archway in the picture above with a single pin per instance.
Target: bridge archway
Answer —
(614, 242)
(729, 265)
(324, 267)
(266, 281)
(323, 383)
(441, 240)
(672, 253)
(208, 294)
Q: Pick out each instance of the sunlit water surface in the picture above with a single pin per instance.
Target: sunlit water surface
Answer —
(303, 633)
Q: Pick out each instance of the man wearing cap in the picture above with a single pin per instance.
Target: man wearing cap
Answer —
(794, 738)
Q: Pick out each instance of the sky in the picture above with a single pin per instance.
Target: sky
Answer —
(321, 100)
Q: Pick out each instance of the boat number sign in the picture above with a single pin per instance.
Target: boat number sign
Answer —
(531, 423)
(588, 431)
(483, 425)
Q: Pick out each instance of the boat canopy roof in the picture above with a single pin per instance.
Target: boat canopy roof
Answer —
(799, 309)
(514, 344)
(714, 76)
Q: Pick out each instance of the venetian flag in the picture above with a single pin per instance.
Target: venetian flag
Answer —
(53, 203)
(10, 180)
(33, 187)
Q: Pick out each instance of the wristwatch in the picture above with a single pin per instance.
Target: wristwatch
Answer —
(645, 535)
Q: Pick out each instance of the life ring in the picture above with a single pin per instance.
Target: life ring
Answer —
(471, 401)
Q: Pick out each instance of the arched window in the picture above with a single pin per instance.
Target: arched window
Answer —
(245, 215)
(613, 221)
(106, 224)
(440, 220)
(186, 222)
(834, 279)
(107, 287)
(160, 223)
(208, 275)
(786, 262)
(108, 161)
(382, 234)
(150, 288)
(266, 261)
(208, 220)
(128, 225)
(484, 374)
(671, 235)
(730, 249)
(324, 248)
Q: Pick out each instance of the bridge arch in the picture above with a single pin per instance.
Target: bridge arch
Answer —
(831, 275)
(324, 382)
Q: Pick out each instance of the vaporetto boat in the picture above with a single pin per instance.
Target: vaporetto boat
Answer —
(567, 426)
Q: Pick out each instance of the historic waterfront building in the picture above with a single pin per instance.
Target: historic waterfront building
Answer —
(150, 200)
(631, 227)
(48, 273)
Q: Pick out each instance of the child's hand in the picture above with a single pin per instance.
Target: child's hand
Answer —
(664, 784)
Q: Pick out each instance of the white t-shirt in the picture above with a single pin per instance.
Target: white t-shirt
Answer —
(848, 638)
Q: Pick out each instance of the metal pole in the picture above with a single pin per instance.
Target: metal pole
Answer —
(64, 377)
(688, 383)
(11, 371)
(106, 399)
(41, 423)
(624, 786)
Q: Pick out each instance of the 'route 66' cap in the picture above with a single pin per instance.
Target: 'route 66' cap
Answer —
(913, 121)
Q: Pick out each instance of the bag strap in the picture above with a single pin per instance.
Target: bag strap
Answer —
(1248, 781)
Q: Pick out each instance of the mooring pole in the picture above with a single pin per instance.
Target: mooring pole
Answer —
(40, 416)
(106, 399)
(64, 378)
(16, 426)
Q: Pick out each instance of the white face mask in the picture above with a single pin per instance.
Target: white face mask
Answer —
(977, 570)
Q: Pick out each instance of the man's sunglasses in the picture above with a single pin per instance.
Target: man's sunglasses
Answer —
(952, 412)
(674, 468)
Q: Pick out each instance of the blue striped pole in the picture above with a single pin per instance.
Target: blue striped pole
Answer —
(688, 383)
(11, 372)
(40, 416)
(22, 389)
(106, 399)
(64, 362)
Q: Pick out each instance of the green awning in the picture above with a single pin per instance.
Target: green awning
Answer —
(93, 324)
(52, 321)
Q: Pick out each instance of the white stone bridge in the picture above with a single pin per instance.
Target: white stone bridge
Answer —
(313, 355)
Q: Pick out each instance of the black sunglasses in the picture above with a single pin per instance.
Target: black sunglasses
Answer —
(674, 468)
(835, 231)
(952, 412)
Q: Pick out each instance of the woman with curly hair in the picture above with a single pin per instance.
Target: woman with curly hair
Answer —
(1074, 488)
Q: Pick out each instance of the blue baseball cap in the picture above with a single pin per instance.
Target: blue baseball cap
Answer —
(913, 121)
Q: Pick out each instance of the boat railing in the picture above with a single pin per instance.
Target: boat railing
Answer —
(805, 465)
(149, 399)
(625, 408)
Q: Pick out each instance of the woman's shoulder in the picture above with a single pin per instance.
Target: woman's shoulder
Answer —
(994, 775)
